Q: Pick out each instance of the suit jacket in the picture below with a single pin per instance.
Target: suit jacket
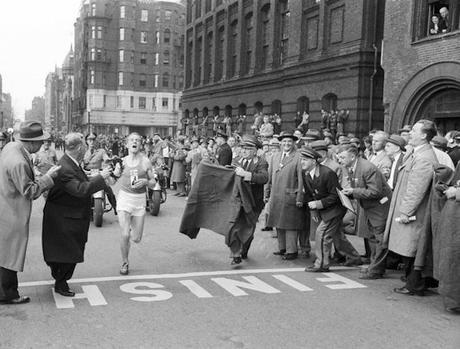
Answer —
(323, 190)
(224, 155)
(383, 163)
(258, 168)
(285, 188)
(66, 215)
(372, 191)
(18, 188)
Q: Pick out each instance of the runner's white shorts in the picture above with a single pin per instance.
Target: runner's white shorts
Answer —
(134, 204)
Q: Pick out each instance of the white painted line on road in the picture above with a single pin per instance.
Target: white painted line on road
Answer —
(293, 283)
(196, 289)
(175, 276)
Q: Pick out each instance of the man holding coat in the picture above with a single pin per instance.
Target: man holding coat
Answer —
(66, 215)
(18, 187)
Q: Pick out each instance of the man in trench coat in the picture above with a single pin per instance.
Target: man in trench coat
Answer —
(18, 188)
(409, 204)
(66, 215)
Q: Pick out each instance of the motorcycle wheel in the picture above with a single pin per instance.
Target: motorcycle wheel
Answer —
(154, 205)
(98, 212)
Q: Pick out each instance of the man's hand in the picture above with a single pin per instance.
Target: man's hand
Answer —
(299, 204)
(347, 191)
(404, 219)
(312, 205)
(140, 183)
(105, 173)
(53, 171)
(450, 192)
(240, 172)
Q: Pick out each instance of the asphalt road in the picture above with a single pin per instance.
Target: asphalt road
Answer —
(183, 293)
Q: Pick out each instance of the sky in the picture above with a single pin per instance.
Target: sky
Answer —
(35, 36)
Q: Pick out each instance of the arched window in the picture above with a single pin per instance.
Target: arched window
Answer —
(205, 112)
(228, 110)
(187, 113)
(242, 109)
(196, 112)
(216, 111)
(329, 102)
(276, 107)
(303, 104)
(258, 107)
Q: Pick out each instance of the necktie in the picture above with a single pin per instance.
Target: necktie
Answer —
(245, 164)
(350, 178)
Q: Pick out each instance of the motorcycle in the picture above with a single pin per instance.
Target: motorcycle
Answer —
(157, 195)
(100, 205)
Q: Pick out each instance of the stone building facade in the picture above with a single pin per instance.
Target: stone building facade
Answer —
(129, 65)
(284, 56)
(422, 68)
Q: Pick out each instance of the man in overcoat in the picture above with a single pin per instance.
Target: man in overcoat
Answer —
(405, 223)
(224, 153)
(66, 216)
(369, 187)
(285, 190)
(253, 170)
(18, 188)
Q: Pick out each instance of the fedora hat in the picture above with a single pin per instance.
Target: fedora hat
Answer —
(31, 131)
(319, 145)
(312, 135)
(397, 140)
(309, 153)
(250, 141)
(287, 134)
(439, 142)
(221, 134)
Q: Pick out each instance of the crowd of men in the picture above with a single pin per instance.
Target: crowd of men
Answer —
(399, 192)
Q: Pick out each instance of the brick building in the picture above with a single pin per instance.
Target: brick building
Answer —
(422, 68)
(6, 109)
(285, 56)
(37, 111)
(54, 113)
(129, 65)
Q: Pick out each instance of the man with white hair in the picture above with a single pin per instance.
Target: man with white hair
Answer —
(444, 21)
(67, 212)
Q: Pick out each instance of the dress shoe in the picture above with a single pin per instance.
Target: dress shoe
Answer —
(266, 229)
(19, 300)
(353, 262)
(181, 195)
(370, 276)
(313, 269)
(407, 292)
(244, 255)
(453, 310)
(290, 256)
(403, 278)
(177, 194)
(236, 260)
(65, 293)
(280, 253)
(305, 254)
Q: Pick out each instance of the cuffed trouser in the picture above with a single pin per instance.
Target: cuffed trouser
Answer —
(61, 272)
(378, 253)
(325, 234)
(8, 284)
(287, 240)
(343, 246)
(238, 248)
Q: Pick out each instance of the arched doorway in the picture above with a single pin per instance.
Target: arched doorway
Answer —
(258, 107)
(242, 109)
(329, 102)
(303, 104)
(276, 107)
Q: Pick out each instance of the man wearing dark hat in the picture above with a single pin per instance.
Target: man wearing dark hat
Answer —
(18, 188)
(253, 170)
(224, 154)
(321, 184)
(285, 193)
(454, 151)
(394, 148)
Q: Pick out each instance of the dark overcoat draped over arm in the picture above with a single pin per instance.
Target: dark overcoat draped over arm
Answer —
(66, 215)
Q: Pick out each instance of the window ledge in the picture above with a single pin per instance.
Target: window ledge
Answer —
(437, 37)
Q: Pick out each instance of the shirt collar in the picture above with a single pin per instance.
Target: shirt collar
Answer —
(418, 147)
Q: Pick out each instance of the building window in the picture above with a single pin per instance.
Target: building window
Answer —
(99, 32)
(167, 15)
(142, 81)
(144, 15)
(122, 11)
(285, 14)
(167, 36)
(198, 51)
(166, 57)
(142, 102)
(208, 6)
(104, 101)
(118, 101)
(155, 80)
(435, 17)
(131, 101)
(90, 101)
(156, 58)
(157, 16)
(197, 8)
(92, 77)
(265, 18)
(143, 58)
(121, 56)
(207, 58)
(122, 34)
(165, 81)
(219, 54)
(143, 37)
(157, 38)
(99, 54)
(93, 9)
(92, 55)
(154, 104)
(233, 52)
(120, 78)
(247, 42)
(164, 103)
(93, 32)
(131, 58)
(181, 82)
